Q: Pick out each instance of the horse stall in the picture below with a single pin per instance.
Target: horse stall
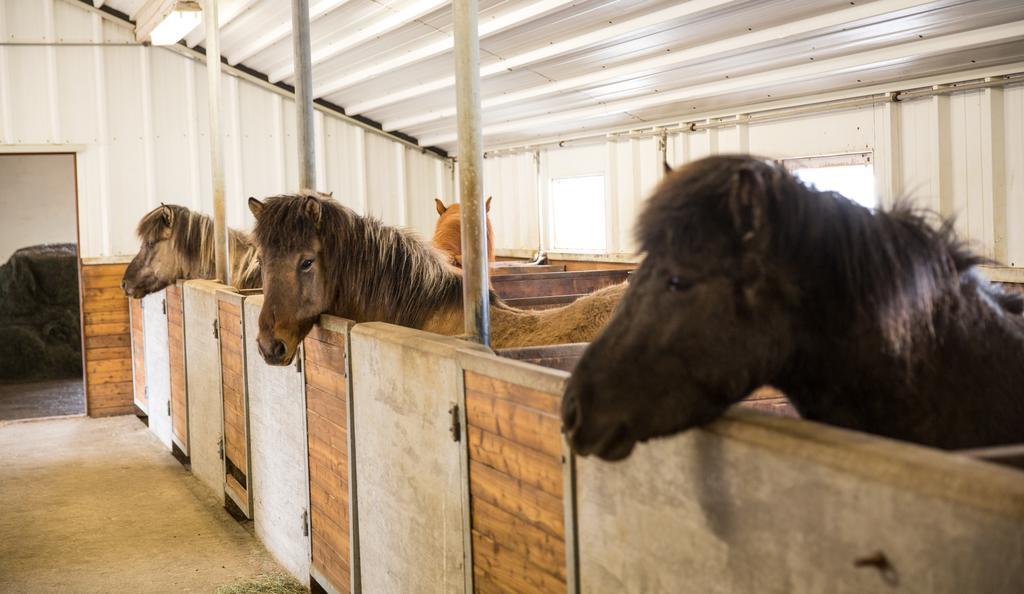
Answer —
(277, 450)
(234, 391)
(203, 382)
(150, 370)
(538, 290)
(327, 447)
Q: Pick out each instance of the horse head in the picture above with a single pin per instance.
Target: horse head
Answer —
(448, 231)
(157, 264)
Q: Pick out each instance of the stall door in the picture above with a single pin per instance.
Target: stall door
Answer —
(237, 469)
(138, 355)
(327, 416)
(176, 357)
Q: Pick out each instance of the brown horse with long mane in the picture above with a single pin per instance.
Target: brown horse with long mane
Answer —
(177, 243)
(870, 320)
(448, 232)
(321, 257)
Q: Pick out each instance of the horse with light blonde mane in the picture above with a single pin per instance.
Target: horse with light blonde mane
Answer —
(177, 243)
(321, 257)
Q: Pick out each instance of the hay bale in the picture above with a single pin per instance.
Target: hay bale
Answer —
(40, 329)
(267, 583)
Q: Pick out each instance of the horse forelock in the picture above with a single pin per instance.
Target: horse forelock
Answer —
(891, 267)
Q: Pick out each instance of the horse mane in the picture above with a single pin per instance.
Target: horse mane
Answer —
(192, 243)
(400, 278)
(892, 266)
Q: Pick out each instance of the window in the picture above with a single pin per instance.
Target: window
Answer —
(577, 209)
(852, 176)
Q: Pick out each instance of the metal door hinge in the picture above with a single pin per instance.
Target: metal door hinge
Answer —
(344, 363)
(168, 408)
(220, 448)
(298, 362)
(456, 426)
(216, 330)
(305, 522)
(163, 304)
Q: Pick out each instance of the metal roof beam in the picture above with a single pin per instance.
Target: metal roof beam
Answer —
(853, 62)
(595, 37)
(667, 61)
(280, 31)
(229, 12)
(376, 28)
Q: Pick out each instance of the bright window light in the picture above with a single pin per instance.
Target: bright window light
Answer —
(578, 214)
(185, 17)
(856, 182)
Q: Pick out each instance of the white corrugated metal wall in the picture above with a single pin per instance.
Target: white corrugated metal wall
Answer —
(960, 154)
(136, 118)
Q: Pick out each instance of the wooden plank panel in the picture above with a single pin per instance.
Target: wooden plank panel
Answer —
(327, 406)
(510, 571)
(107, 341)
(106, 328)
(541, 549)
(330, 564)
(526, 426)
(109, 389)
(326, 355)
(533, 468)
(532, 505)
(118, 316)
(103, 354)
(105, 377)
(327, 380)
(549, 403)
(327, 431)
(176, 360)
(318, 333)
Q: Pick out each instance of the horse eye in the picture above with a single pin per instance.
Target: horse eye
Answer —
(306, 264)
(677, 283)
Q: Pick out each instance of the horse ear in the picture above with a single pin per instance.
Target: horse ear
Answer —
(314, 209)
(167, 214)
(487, 206)
(747, 192)
(441, 208)
(255, 206)
(667, 168)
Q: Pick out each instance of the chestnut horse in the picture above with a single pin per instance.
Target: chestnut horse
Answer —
(869, 320)
(321, 257)
(177, 243)
(448, 232)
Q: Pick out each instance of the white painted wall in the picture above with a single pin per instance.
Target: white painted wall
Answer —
(962, 155)
(137, 118)
(37, 201)
(158, 372)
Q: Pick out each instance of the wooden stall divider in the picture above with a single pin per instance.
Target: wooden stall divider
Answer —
(521, 476)
(333, 525)
(141, 393)
(106, 340)
(176, 359)
(518, 286)
(235, 401)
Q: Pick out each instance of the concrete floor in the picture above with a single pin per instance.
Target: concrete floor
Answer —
(97, 505)
(53, 398)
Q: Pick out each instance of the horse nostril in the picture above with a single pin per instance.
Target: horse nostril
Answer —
(277, 349)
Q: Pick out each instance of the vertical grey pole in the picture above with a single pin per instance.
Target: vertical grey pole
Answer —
(303, 94)
(475, 290)
(220, 229)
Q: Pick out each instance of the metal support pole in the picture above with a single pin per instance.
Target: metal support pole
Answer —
(220, 229)
(475, 289)
(303, 94)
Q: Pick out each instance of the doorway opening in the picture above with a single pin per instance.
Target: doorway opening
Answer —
(41, 372)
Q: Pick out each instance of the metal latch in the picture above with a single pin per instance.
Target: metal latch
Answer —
(220, 448)
(168, 408)
(216, 330)
(298, 362)
(305, 522)
(163, 304)
(456, 426)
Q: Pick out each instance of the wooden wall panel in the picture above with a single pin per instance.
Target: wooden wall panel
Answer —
(236, 440)
(515, 487)
(517, 286)
(107, 341)
(176, 356)
(326, 428)
(138, 333)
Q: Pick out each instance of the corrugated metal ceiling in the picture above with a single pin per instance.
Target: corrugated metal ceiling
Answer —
(564, 67)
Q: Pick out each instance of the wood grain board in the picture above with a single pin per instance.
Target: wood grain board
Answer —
(176, 356)
(515, 486)
(236, 440)
(107, 341)
(545, 284)
(327, 440)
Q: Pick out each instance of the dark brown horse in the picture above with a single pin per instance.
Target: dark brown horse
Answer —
(320, 257)
(177, 243)
(448, 232)
(874, 321)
